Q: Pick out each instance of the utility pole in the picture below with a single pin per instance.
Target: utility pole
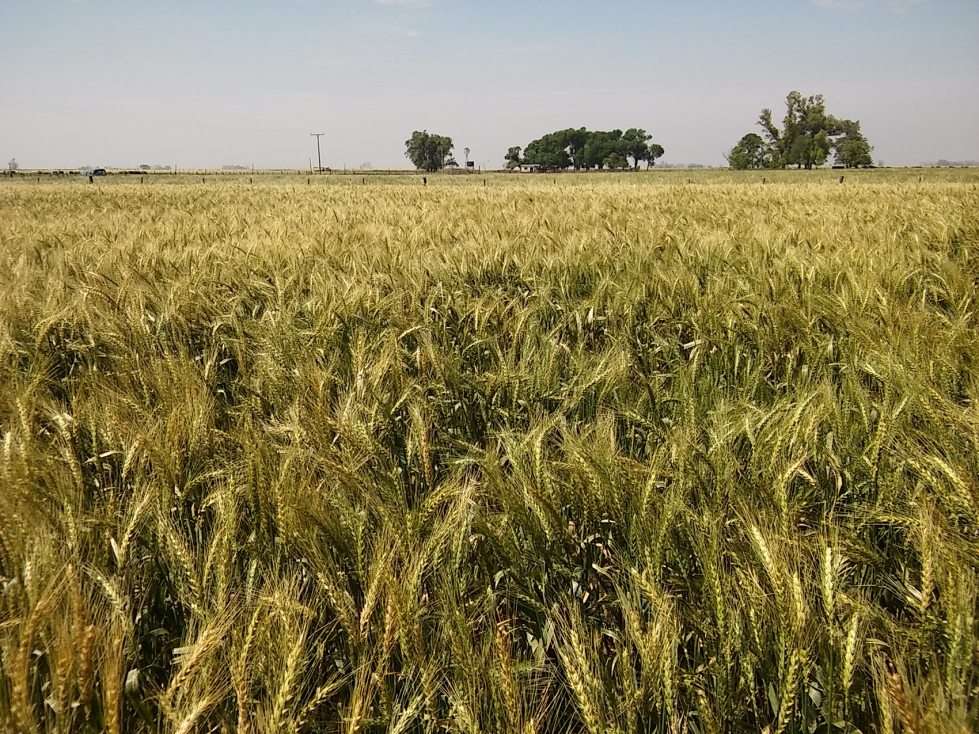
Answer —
(319, 161)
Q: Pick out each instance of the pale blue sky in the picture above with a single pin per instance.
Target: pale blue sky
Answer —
(209, 83)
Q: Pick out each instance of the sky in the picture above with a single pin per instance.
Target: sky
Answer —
(209, 83)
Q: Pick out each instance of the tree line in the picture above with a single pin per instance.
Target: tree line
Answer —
(807, 137)
(584, 149)
(572, 148)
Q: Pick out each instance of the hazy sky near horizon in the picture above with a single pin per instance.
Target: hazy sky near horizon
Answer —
(207, 83)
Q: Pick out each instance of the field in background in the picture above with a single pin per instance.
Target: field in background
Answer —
(624, 453)
(671, 176)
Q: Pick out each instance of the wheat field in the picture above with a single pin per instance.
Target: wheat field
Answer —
(609, 454)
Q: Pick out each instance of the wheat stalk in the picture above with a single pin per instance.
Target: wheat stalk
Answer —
(895, 687)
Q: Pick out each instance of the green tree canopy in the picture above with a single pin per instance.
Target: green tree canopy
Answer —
(853, 149)
(600, 147)
(581, 148)
(639, 148)
(616, 160)
(429, 152)
(656, 152)
(637, 145)
(807, 137)
(750, 152)
(548, 151)
(574, 142)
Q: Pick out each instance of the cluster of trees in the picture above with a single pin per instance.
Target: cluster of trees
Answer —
(584, 149)
(429, 152)
(807, 137)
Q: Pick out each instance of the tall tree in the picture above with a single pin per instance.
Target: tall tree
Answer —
(807, 137)
(809, 128)
(574, 140)
(429, 152)
(773, 138)
(512, 157)
(637, 145)
(656, 152)
(750, 152)
(853, 149)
